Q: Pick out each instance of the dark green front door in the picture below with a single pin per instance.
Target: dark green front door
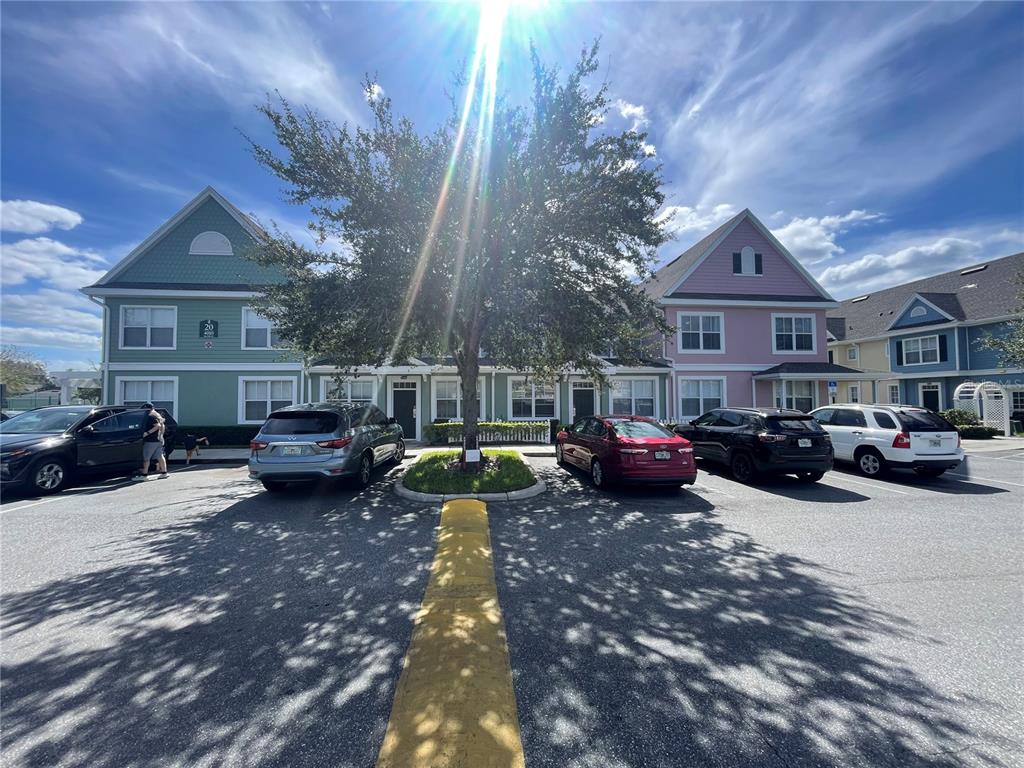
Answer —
(405, 411)
(582, 403)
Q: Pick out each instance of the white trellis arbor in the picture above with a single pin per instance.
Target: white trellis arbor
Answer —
(987, 400)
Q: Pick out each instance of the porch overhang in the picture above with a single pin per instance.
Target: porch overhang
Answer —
(815, 372)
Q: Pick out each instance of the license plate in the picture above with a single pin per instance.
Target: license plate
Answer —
(804, 442)
(291, 450)
(662, 455)
(935, 443)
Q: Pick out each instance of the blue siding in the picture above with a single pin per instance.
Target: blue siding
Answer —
(984, 359)
(929, 316)
(949, 365)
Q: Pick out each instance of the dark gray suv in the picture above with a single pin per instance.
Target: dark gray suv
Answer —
(315, 441)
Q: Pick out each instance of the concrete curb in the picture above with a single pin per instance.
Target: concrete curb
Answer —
(524, 493)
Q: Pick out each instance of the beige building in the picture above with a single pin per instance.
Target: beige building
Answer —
(870, 356)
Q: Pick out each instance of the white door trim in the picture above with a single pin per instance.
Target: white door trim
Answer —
(920, 393)
(415, 379)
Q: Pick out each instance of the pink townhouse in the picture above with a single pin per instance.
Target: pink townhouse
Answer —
(749, 325)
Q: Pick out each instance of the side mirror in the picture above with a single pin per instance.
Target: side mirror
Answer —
(89, 429)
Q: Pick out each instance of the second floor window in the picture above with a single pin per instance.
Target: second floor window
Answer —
(794, 333)
(700, 332)
(148, 327)
(920, 351)
(258, 332)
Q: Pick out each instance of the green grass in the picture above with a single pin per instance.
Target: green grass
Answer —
(438, 472)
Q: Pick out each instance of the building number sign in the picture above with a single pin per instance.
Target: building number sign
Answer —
(208, 329)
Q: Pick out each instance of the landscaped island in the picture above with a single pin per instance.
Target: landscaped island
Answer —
(439, 472)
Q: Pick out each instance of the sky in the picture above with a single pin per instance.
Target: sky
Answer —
(880, 142)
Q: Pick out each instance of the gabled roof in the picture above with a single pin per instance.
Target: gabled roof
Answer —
(987, 291)
(669, 278)
(208, 193)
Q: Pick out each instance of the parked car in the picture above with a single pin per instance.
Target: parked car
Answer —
(631, 449)
(752, 441)
(314, 441)
(46, 449)
(877, 438)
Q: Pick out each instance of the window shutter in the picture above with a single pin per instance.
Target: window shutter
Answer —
(737, 264)
(758, 264)
(943, 351)
(899, 353)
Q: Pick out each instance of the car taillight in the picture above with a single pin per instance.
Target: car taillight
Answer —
(632, 450)
(341, 442)
(902, 440)
(686, 450)
(769, 437)
(256, 445)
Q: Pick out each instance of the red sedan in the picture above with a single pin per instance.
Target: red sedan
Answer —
(628, 448)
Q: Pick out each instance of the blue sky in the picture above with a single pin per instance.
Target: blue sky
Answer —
(880, 141)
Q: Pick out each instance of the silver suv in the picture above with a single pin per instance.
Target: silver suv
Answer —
(314, 441)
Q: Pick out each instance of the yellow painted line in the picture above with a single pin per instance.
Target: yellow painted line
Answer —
(454, 705)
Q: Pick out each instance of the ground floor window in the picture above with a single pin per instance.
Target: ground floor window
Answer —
(1017, 399)
(159, 392)
(797, 395)
(356, 391)
(532, 400)
(894, 393)
(632, 397)
(260, 397)
(698, 396)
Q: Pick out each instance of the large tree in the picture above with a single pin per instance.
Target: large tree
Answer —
(520, 230)
(20, 371)
(1010, 344)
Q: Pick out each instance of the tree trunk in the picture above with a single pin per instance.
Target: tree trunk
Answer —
(469, 372)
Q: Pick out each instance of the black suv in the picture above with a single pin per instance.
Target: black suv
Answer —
(754, 440)
(42, 450)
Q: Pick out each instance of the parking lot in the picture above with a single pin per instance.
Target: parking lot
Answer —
(200, 621)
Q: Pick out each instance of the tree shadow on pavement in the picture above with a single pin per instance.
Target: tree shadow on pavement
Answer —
(652, 634)
(257, 630)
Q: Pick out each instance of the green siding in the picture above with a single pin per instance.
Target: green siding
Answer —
(226, 348)
(168, 260)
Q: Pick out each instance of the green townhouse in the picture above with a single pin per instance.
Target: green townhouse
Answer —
(180, 330)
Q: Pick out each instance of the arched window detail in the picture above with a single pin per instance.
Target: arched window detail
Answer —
(918, 311)
(210, 244)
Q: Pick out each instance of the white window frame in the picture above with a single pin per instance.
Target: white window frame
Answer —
(326, 381)
(458, 403)
(241, 395)
(270, 333)
(701, 351)
(781, 386)
(930, 384)
(679, 394)
(795, 315)
(920, 350)
(852, 353)
(1014, 393)
(919, 311)
(752, 263)
(533, 399)
(632, 395)
(149, 327)
(853, 392)
(895, 401)
(119, 390)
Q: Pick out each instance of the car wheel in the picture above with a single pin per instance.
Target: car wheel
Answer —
(365, 470)
(559, 458)
(399, 456)
(274, 486)
(870, 464)
(742, 468)
(48, 475)
(810, 477)
(929, 472)
(597, 474)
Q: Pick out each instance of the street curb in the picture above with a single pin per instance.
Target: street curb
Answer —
(524, 493)
(233, 462)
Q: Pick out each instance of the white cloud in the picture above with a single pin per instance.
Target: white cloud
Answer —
(637, 113)
(148, 184)
(238, 52)
(49, 337)
(374, 92)
(50, 308)
(51, 262)
(913, 260)
(701, 219)
(32, 218)
(813, 239)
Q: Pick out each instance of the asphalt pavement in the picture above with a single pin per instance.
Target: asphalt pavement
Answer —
(199, 621)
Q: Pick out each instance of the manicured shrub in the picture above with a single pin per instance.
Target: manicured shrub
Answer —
(959, 417)
(978, 432)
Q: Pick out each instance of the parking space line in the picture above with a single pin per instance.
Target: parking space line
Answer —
(877, 484)
(969, 478)
(454, 704)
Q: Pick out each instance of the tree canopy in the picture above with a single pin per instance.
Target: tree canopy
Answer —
(20, 372)
(520, 230)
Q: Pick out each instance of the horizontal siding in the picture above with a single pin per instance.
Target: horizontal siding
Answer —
(715, 274)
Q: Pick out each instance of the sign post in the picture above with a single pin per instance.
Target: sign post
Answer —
(833, 387)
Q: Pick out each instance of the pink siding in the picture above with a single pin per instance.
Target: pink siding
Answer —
(738, 389)
(748, 336)
(715, 274)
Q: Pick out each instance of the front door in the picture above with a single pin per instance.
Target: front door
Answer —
(930, 396)
(582, 403)
(404, 401)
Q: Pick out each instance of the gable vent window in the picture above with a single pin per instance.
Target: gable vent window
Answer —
(746, 262)
(918, 312)
(210, 244)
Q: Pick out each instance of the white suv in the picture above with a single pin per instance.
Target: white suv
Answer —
(881, 437)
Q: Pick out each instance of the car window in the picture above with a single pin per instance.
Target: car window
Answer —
(640, 429)
(382, 418)
(794, 424)
(847, 417)
(884, 420)
(301, 423)
(596, 428)
(580, 425)
(706, 420)
(108, 424)
(924, 421)
(729, 419)
(824, 416)
(131, 420)
(55, 420)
